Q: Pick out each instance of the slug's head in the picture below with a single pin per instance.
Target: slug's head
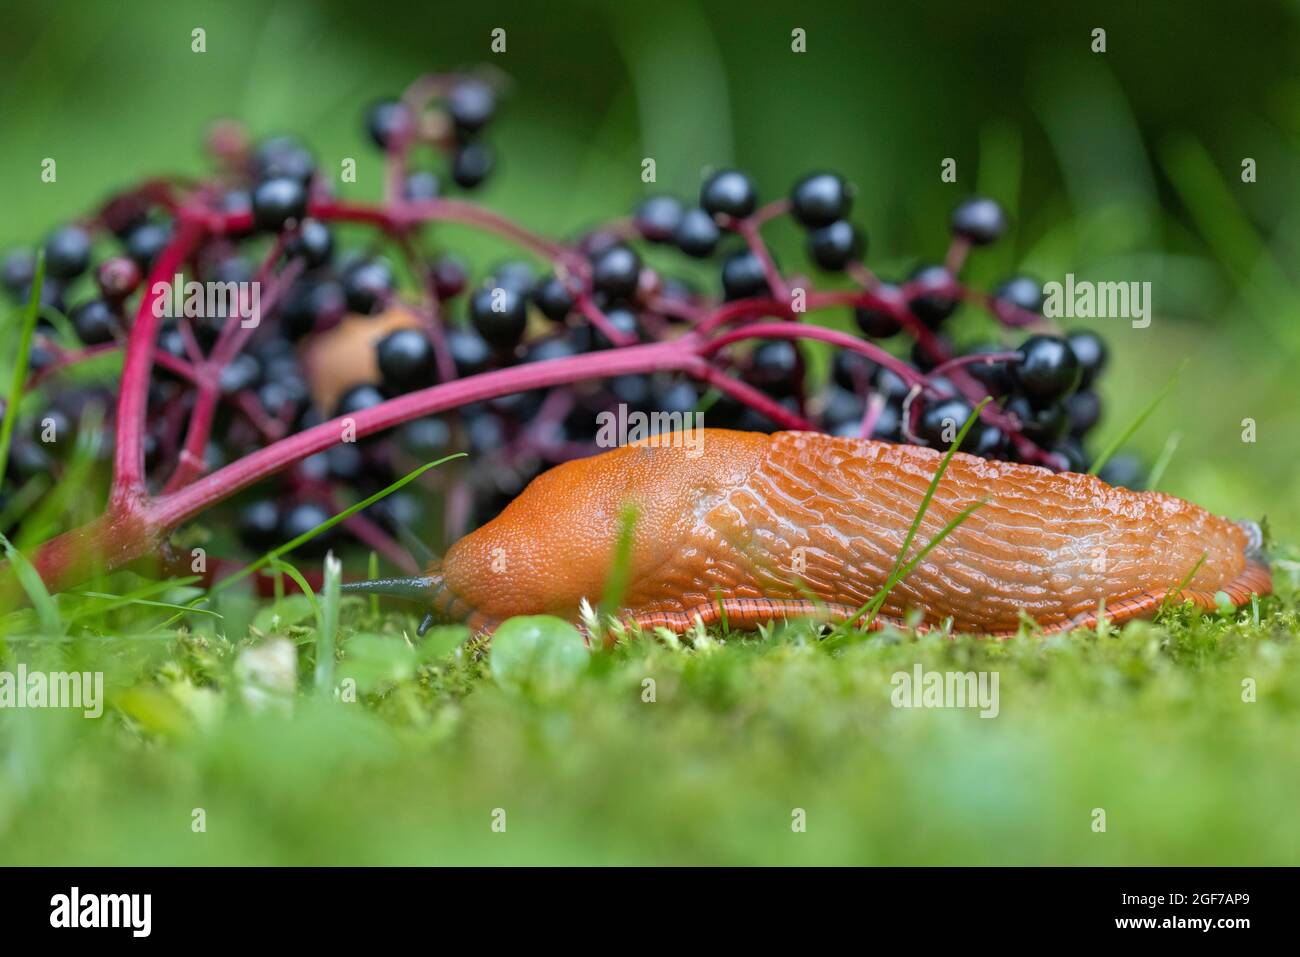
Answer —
(1255, 541)
(416, 588)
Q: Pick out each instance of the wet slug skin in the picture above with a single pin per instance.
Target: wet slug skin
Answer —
(763, 527)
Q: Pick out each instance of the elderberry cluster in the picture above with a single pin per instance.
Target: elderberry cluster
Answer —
(348, 327)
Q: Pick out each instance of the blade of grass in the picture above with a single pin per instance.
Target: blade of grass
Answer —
(1162, 463)
(301, 581)
(20, 362)
(1178, 590)
(148, 603)
(1136, 424)
(620, 567)
(878, 600)
(47, 612)
(327, 625)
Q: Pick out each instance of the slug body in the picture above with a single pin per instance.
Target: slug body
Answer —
(755, 527)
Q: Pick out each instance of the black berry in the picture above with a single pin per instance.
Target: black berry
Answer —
(368, 286)
(95, 322)
(657, 218)
(277, 202)
(743, 276)
(1090, 349)
(616, 271)
(820, 199)
(314, 243)
(472, 165)
(471, 105)
(389, 122)
(835, 246)
(926, 300)
(67, 252)
(405, 360)
(1048, 368)
(553, 298)
(500, 314)
(697, 234)
(979, 220)
(728, 192)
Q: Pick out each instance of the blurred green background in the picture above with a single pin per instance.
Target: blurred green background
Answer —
(1122, 165)
(1117, 166)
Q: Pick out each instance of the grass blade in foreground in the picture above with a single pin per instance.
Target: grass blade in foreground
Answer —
(47, 612)
(898, 573)
(1137, 422)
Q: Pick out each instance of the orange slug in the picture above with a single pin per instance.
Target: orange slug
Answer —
(759, 527)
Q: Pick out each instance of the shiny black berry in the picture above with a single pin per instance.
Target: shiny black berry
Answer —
(500, 314)
(420, 185)
(95, 322)
(368, 285)
(835, 246)
(283, 156)
(259, 525)
(67, 252)
(925, 296)
(875, 323)
(312, 306)
(616, 271)
(553, 298)
(697, 234)
(314, 243)
(1045, 424)
(1090, 349)
(743, 276)
(471, 105)
(820, 199)
(358, 399)
(1024, 292)
(774, 367)
(473, 164)
(1048, 368)
(994, 376)
(389, 122)
(1085, 411)
(18, 271)
(624, 320)
(657, 218)
(405, 360)
(146, 242)
(469, 351)
(728, 192)
(941, 420)
(278, 202)
(425, 438)
(979, 220)
(852, 371)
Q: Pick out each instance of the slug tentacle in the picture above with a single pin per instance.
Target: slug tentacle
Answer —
(751, 527)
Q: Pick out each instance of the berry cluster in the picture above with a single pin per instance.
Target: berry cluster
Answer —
(399, 342)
